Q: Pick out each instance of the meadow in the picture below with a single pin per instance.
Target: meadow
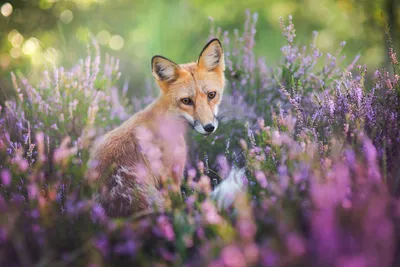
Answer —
(319, 139)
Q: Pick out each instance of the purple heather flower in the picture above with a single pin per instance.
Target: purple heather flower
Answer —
(127, 248)
(6, 177)
(166, 228)
(232, 256)
(101, 243)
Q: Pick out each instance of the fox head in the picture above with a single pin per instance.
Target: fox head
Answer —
(194, 90)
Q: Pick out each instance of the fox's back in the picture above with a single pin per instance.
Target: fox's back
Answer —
(140, 143)
(116, 148)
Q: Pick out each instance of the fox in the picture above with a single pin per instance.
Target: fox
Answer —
(129, 174)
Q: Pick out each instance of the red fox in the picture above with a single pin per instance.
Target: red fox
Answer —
(132, 161)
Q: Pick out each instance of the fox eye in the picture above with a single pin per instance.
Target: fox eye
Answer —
(211, 95)
(186, 101)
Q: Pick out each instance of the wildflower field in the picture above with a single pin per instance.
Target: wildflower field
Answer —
(320, 142)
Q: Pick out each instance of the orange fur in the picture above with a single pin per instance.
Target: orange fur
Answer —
(118, 159)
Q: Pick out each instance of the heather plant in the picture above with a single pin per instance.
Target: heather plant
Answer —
(304, 75)
(51, 123)
(339, 104)
(319, 143)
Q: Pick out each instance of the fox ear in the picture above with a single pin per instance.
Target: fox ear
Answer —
(164, 69)
(212, 56)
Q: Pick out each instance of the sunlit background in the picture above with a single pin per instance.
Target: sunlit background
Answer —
(38, 34)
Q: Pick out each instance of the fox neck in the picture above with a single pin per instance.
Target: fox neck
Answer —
(156, 115)
(158, 107)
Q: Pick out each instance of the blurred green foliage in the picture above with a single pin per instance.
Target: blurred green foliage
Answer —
(38, 33)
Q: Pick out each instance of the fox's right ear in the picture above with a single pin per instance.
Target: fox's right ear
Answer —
(164, 69)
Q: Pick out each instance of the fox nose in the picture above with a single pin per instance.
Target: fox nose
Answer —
(209, 128)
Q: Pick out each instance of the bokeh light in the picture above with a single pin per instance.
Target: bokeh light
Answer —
(103, 37)
(15, 38)
(66, 16)
(6, 9)
(30, 46)
(15, 52)
(116, 42)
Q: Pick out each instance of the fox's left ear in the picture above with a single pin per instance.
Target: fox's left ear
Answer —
(212, 56)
